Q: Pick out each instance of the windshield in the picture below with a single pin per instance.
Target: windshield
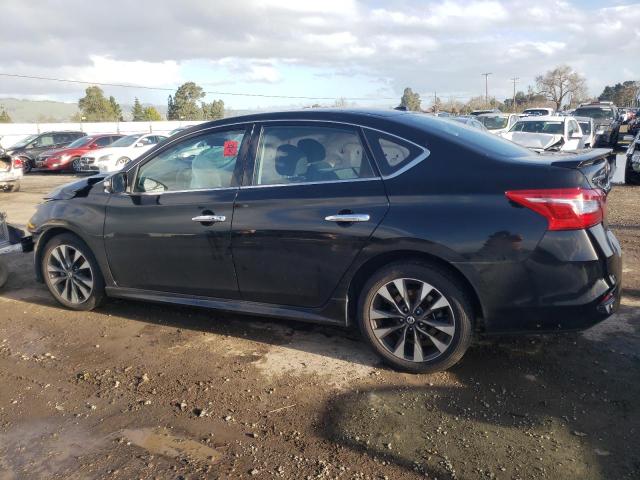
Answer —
(80, 142)
(555, 128)
(594, 112)
(125, 141)
(23, 142)
(494, 122)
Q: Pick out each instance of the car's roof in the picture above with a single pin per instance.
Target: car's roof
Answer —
(495, 114)
(357, 116)
(537, 108)
(545, 118)
(61, 131)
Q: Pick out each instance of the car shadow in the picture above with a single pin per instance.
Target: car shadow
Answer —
(557, 407)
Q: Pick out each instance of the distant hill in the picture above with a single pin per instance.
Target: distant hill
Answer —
(31, 111)
(48, 111)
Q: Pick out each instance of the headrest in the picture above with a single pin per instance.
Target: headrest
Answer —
(313, 150)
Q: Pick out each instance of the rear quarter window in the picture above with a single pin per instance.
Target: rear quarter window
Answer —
(393, 154)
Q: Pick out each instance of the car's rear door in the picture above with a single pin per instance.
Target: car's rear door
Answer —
(171, 231)
(309, 202)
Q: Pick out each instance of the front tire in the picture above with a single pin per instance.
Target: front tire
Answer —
(75, 165)
(416, 317)
(71, 273)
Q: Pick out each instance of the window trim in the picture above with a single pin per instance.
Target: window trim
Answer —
(248, 132)
(249, 157)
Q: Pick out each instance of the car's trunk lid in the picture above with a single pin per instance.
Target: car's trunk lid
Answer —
(597, 165)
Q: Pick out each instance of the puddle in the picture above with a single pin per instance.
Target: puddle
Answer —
(160, 441)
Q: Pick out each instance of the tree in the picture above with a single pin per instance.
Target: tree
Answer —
(622, 94)
(151, 114)
(4, 116)
(137, 112)
(184, 104)
(410, 100)
(117, 111)
(213, 110)
(94, 107)
(561, 85)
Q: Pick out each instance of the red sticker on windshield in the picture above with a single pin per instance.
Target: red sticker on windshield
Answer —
(230, 148)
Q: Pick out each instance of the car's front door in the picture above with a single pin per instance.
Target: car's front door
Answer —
(171, 231)
(308, 204)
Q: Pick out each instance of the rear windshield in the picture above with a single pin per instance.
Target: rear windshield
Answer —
(493, 122)
(533, 111)
(478, 140)
(555, 128)
(594, 112)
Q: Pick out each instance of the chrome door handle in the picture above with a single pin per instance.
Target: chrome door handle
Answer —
(209, 218)
(348, 217)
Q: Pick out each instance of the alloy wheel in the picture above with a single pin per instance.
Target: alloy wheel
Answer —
(69, 273)
(75, 165)
(412, 320)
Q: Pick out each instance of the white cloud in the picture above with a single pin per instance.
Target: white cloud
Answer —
(440, 45)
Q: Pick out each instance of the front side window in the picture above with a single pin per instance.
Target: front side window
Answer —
(197, 163)
(103, 141)
(303, 154)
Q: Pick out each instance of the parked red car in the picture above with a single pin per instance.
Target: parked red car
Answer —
(68, 158)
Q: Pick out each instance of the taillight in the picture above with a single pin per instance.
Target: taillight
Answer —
(564, 208)
(17, 163)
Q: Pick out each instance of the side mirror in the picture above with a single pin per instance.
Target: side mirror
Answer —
(139, 144)
(116, 183)
(576, 135)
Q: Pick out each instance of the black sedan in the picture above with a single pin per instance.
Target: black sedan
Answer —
(421, 231)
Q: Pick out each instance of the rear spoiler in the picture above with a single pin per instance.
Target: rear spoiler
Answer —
(598, 165)
(586, 158)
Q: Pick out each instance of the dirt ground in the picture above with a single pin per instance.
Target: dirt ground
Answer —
(137, 390)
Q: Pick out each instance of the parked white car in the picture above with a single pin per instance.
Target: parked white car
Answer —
(547, 133)
(588, 130)
(10, 172)
(538, 111)
(119, 153)
(498, 123)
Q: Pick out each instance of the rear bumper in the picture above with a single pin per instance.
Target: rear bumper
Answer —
(570, 282)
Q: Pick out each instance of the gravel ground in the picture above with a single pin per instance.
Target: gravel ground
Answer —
(136, 390)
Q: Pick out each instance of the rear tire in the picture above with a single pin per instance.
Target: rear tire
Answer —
(71, 273)
(15, 187)
(26, 165)
(416, 317)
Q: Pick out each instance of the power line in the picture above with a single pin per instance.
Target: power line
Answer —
(165, 89)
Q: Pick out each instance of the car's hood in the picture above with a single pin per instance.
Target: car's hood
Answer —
(536, 141)
(79, 188)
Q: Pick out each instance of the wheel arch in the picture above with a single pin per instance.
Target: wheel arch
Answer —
(373, 264)
(44, 238)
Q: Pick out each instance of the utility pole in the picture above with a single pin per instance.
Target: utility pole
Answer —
(486, 86)
(435, 102)
(514, 80)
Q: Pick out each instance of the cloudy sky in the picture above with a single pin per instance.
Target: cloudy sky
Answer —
(368, 50)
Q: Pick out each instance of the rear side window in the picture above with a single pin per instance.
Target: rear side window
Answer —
(392, 153)
(309, 154)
